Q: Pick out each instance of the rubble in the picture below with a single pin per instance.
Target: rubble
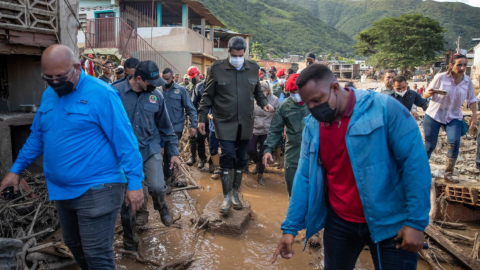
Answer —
(233, 224)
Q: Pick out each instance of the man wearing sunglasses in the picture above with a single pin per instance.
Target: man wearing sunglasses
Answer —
(107, 69)
(89, 151)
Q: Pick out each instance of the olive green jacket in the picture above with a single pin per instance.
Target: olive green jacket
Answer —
(230, 93)
(289, 114)
(277, 90)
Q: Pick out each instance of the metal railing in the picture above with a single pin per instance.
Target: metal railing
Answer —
(116, 33)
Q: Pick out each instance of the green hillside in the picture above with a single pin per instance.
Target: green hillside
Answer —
(353, 16)
(280, 27)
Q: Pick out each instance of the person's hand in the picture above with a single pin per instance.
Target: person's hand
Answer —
(201, 128)
(267, 156)
(284, 248)
(268, 108)
(412, 239)
(175, 161)
(162, 151)
(415, 115)
(473, 123)
(210, 116)
(135, 199)
(193, 131)
(10, 180)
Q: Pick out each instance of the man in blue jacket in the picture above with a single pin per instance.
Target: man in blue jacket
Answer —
(363, 175)
(89, 151)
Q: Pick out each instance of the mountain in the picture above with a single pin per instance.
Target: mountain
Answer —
(353, 16)
(280, 28)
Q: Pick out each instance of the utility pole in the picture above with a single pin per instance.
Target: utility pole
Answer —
(458, 44)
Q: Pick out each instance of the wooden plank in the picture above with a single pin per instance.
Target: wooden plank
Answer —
(19, 49)
(452, 248)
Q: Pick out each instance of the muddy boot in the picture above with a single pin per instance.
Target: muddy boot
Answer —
(449, 167)
(141, 216)
(277, 152)
(237, 204)
(255, 171)
(227, 176)
(211, 168)
(201, 164)
(215, 167)
(165, 215)
(193, 156)
(245, 169)
(260, 179)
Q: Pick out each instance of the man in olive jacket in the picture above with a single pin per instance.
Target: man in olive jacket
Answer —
(231, 89)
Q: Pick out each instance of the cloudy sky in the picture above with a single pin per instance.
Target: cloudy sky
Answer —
(475, 3)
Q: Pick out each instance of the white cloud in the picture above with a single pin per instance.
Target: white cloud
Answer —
(475, 3)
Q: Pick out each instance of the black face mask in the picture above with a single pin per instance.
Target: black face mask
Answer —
(323, 113)
(272, 76)
(168, 85)
(309, 63)
(150, 88)
(286, 93)
(194, 80)
(62, 88)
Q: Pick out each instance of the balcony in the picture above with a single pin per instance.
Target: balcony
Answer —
(175, 39)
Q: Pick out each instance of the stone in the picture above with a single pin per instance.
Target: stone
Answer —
(233, 224)
(8, 249)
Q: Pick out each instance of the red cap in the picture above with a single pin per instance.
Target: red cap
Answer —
(281, 72)
(192, 72)
(291, 83)
(90, 55)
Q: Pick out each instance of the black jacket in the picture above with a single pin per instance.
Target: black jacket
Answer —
(197, 94)
(411, 97)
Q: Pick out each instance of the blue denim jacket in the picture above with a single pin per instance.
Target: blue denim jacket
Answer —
(389, 163)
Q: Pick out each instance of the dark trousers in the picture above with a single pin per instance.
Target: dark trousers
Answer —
(166, 157)
(88, 225)
(213, 143)
(234, 153)
(290, 171)
(453, 130)
(155, 183)
(255, 150)
(198, 142)
(345, 240)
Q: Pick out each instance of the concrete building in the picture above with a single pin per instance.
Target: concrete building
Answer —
(363, 65)
(345, 71)
(26, 29)
(475, 73)
(162, 31)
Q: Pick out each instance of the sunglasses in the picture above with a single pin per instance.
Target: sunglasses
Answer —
(63, 78)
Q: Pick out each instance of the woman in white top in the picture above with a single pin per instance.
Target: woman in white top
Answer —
(445, 109)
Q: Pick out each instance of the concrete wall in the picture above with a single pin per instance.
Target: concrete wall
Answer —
(68, 25)
(25, 84)
(476, 66)
(90, 7)
(181, 60)
(176, 39)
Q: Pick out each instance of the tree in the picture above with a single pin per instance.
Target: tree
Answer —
(406, 42)
(258, 51)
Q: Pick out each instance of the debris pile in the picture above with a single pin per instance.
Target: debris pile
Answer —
(26, 218)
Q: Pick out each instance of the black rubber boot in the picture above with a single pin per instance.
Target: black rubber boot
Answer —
(168, 183)
(237, 204)
(255, 171)
(165, 215)
(201, 163)
(193, 156)
(227, 177)
(260, 179)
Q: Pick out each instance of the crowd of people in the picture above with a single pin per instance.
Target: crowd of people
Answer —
(355, 163)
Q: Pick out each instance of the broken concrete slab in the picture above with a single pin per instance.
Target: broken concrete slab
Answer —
(233, 224)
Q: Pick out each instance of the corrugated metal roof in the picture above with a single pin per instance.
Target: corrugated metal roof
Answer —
(204, 12)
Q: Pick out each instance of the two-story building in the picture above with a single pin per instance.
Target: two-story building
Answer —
(26, 29)
(162, 31)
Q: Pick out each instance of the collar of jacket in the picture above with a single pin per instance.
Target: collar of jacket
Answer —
(226, 62)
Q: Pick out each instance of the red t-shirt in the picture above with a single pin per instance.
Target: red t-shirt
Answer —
(420, 91)
(342, 187)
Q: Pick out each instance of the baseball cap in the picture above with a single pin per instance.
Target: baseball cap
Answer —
(272, 68)
(149, 72)
(310, 55)
(131, 62)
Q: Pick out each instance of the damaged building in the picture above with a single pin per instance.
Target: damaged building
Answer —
(27, 27)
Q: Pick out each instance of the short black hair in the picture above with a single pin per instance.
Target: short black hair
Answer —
(167, 70)
(399, 79)
(237, 43)
(119, 71)
(316, 73)
(349, 84)
(390, 71)
(290, 71)
(131, 62)
(108, 62)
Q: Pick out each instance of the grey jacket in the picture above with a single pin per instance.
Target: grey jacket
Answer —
(262, 118)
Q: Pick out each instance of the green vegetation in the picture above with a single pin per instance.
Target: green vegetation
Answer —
(416, 42)
(354, 16)
(280, 28)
